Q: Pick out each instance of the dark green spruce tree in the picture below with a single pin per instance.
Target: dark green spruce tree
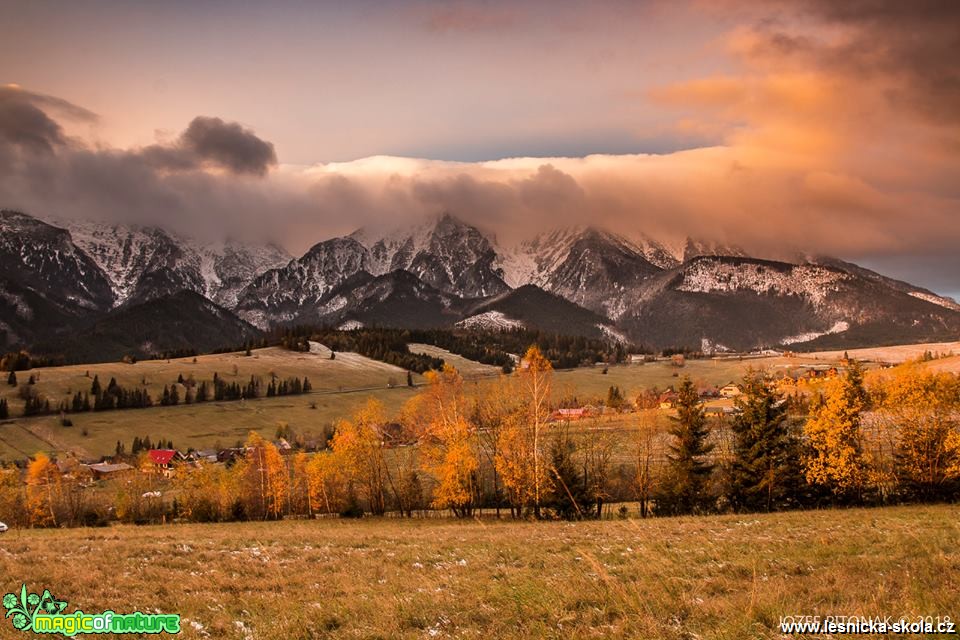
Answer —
(765, 472)
(686, 486)
(569, 498)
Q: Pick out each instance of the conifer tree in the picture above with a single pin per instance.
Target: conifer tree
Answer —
(12, 379)
(4, 409)
(569, 498)
(764, 474)
(615, 398)
(685, 488)
(95, 386)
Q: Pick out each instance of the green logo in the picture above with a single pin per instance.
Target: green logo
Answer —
(43, 613)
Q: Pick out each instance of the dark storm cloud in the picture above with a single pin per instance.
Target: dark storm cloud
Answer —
(25, 123)
(44, 172)
(229, 145)
(213, 142)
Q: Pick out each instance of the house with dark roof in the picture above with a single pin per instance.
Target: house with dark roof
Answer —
(104, 470)
(731, 390)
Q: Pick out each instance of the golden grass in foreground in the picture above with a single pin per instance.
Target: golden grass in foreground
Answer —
(709, 577)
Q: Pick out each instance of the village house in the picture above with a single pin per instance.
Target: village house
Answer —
(165, 461)
(709, 392)
(284, 447)
(104, 470)
(668, 399)
(731, 390)
(230, 456)
(203, 455)
(574, 413)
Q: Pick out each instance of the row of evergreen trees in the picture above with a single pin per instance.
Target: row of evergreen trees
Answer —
(115, 396)
(385, 345)
(495, 347)
(290, 386)
(140, 445)
(764, 472)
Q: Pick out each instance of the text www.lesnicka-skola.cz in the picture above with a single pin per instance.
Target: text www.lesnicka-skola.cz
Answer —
(863, 625)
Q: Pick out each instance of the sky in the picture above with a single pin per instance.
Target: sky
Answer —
(777, 125)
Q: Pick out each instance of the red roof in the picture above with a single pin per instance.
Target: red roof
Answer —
(162, 456)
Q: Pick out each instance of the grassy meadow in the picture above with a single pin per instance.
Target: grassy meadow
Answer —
(340, 386)
(697, 577)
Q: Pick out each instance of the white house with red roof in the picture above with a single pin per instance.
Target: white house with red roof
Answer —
(165, 461)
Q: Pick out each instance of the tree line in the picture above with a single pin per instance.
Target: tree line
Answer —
(495, 347)
(114, 396)
(385, 345)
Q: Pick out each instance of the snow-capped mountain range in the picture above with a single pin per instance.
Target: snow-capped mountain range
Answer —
(144, 262)
(446, 273)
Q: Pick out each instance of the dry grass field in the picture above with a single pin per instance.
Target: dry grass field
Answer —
(893, 354)
(339, 386)
(726, 577)
(466, 367)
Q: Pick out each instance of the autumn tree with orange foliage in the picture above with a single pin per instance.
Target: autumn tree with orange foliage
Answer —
(920, 408)
(13, 497)
(521, 459)
(835, 459)
(43, 490)
(326, 484)
(263, 478)
(448, 442)
(358, 447)
(495, 405)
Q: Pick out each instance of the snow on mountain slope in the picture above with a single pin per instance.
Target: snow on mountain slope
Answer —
(280, 294)
(719, 276)
(838, 327)
(490, 321)
(937, 300)
(591, 267)
(144, 262)
(45, 258)
(228, 267)
(443, 251)
(442, 271)
(127, 253)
